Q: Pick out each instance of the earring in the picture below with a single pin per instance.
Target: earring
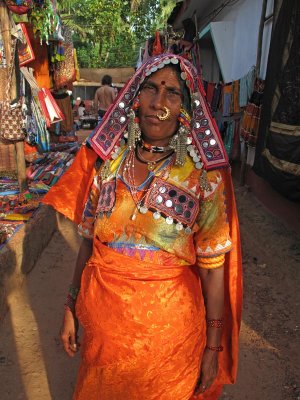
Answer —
(134, 132)
(184, 117)
(179, 144)
(179, 141)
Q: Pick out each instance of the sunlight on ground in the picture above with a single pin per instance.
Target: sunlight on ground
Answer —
(251, 338)
(28, 346)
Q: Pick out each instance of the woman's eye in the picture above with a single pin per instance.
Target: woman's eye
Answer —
(149, 88)
(173, 94)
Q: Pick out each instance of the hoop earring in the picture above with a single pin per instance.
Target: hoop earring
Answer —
(134, 132)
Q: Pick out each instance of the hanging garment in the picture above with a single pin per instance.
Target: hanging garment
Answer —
(63, 101)
(236, 90)
(40, 64)
(246, 87)
(251, 117)
(228, 139)
(227, 99)
(216, 97)
(64, 71)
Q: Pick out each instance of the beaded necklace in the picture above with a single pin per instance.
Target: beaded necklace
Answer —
(154, 149)
(150, 163)
(129, 180)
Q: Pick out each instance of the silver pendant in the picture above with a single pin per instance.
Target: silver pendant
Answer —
(156, 215)
(179, 226)
(143, 209)
(169, 220)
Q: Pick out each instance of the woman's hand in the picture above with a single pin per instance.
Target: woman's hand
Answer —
(208, 371)
(68, 333)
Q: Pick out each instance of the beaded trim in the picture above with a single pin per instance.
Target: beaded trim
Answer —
(206, 140)
(154, 149)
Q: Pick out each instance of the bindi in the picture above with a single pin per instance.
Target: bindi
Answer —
(163, 82)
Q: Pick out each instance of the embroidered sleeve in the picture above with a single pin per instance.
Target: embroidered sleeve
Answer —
(86, 226)
(212, 240)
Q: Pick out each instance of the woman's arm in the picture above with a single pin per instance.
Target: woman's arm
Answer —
(212, 282)
(69, 327)
(85, 252)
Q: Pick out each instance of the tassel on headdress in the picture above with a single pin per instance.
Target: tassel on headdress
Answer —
(134, 132)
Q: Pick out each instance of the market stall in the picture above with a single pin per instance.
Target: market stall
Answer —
(37, 132)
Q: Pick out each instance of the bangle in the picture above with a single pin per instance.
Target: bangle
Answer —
(73, 292)
(215, 323)
(71, 298)
(215, 348)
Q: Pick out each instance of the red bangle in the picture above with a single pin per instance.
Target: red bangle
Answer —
(215, 348)
(215, 323)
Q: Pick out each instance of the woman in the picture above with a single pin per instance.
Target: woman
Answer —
(157, 283)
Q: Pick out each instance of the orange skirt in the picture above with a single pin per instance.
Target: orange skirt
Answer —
(144, 330)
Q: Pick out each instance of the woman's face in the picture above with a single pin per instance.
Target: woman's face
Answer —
(162, 89)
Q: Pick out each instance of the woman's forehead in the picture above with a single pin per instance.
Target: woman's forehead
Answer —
(166, 76)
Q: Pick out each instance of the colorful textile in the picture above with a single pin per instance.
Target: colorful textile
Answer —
(140, 302)
(246, 87)
(206, 239)
(250, 122)
(96, 373)
(204, 133)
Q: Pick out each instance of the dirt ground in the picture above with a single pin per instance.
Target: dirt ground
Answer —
(34, 367)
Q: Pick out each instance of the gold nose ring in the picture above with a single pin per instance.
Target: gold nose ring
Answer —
(165, 116)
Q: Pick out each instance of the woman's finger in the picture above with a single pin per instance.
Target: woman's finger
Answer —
(202, 386)
(66, 344)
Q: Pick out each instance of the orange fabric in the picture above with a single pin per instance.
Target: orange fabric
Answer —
(157, 47)
(144, 330)
(40, 64)
(68, 196)
(144, 323)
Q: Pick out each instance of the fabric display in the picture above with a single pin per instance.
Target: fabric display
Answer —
(51, 111)
(30, 54)
(251, 117)
(11, 115)
(40, 64)
(246, 87)
(25, 51)
(49, 169)
(64, 72)
(16, 208)
(3, 63)
(3, 68)
(7, 230)
(19, 7)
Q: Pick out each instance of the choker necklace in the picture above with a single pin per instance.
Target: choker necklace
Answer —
(154, 149)
(150, 164)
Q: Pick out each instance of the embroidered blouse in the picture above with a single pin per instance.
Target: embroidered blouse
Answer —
(182, 223)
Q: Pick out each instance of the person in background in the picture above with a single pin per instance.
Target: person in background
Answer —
(81, 109)
(104, 96)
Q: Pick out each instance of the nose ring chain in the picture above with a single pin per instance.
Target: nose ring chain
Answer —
(165, 116)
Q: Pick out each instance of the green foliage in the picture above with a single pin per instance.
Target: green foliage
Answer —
(109, 33)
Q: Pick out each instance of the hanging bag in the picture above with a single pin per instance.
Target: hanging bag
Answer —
(11, 116)
(19, 7)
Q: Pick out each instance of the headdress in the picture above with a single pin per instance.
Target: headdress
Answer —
(204, 142)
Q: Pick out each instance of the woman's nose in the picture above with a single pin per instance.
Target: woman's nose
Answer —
(158, 100)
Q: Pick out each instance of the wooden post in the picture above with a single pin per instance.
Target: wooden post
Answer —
(19, 146)
(260, 36)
